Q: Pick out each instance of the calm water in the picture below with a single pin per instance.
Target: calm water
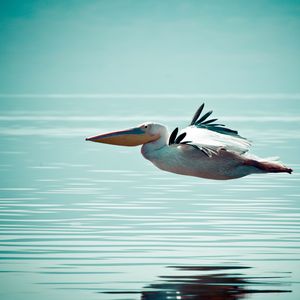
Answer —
(81, 220)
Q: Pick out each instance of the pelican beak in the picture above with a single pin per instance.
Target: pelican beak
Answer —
(129, 137)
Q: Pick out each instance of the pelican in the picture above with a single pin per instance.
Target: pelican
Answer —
(204, 149)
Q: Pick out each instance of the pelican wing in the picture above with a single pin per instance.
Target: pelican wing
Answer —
(208, 136)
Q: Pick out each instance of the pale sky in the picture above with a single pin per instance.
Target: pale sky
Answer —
(150, 47)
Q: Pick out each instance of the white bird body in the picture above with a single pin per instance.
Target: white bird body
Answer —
(203, 149)
(191, 162)
(186, 160)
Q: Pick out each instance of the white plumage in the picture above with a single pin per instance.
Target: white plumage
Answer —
(205, 138)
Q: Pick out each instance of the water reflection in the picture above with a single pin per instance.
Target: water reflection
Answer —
(209, 283)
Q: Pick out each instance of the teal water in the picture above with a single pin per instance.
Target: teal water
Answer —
(81, 220)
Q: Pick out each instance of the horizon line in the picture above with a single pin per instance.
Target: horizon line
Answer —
(155, 95)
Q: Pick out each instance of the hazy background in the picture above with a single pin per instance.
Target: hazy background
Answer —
(129, 46)
(80, 220)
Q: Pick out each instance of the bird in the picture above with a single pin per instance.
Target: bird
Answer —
(204, 149)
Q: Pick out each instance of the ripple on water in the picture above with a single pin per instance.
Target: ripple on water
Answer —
(133, 231)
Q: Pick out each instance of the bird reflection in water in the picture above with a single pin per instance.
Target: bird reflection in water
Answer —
(209, 283)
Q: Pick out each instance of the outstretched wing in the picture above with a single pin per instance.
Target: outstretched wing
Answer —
(208, 136)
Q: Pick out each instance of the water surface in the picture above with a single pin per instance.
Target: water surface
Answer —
(83, 220)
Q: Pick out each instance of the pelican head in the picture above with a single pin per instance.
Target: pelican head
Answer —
(142, 134)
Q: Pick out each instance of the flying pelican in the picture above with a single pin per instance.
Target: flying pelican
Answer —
(203, 149)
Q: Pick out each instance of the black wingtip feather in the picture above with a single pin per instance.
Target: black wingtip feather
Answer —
(180, 138)
(209, 121)
(173, 136)
(197, 114)
(204, 117)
